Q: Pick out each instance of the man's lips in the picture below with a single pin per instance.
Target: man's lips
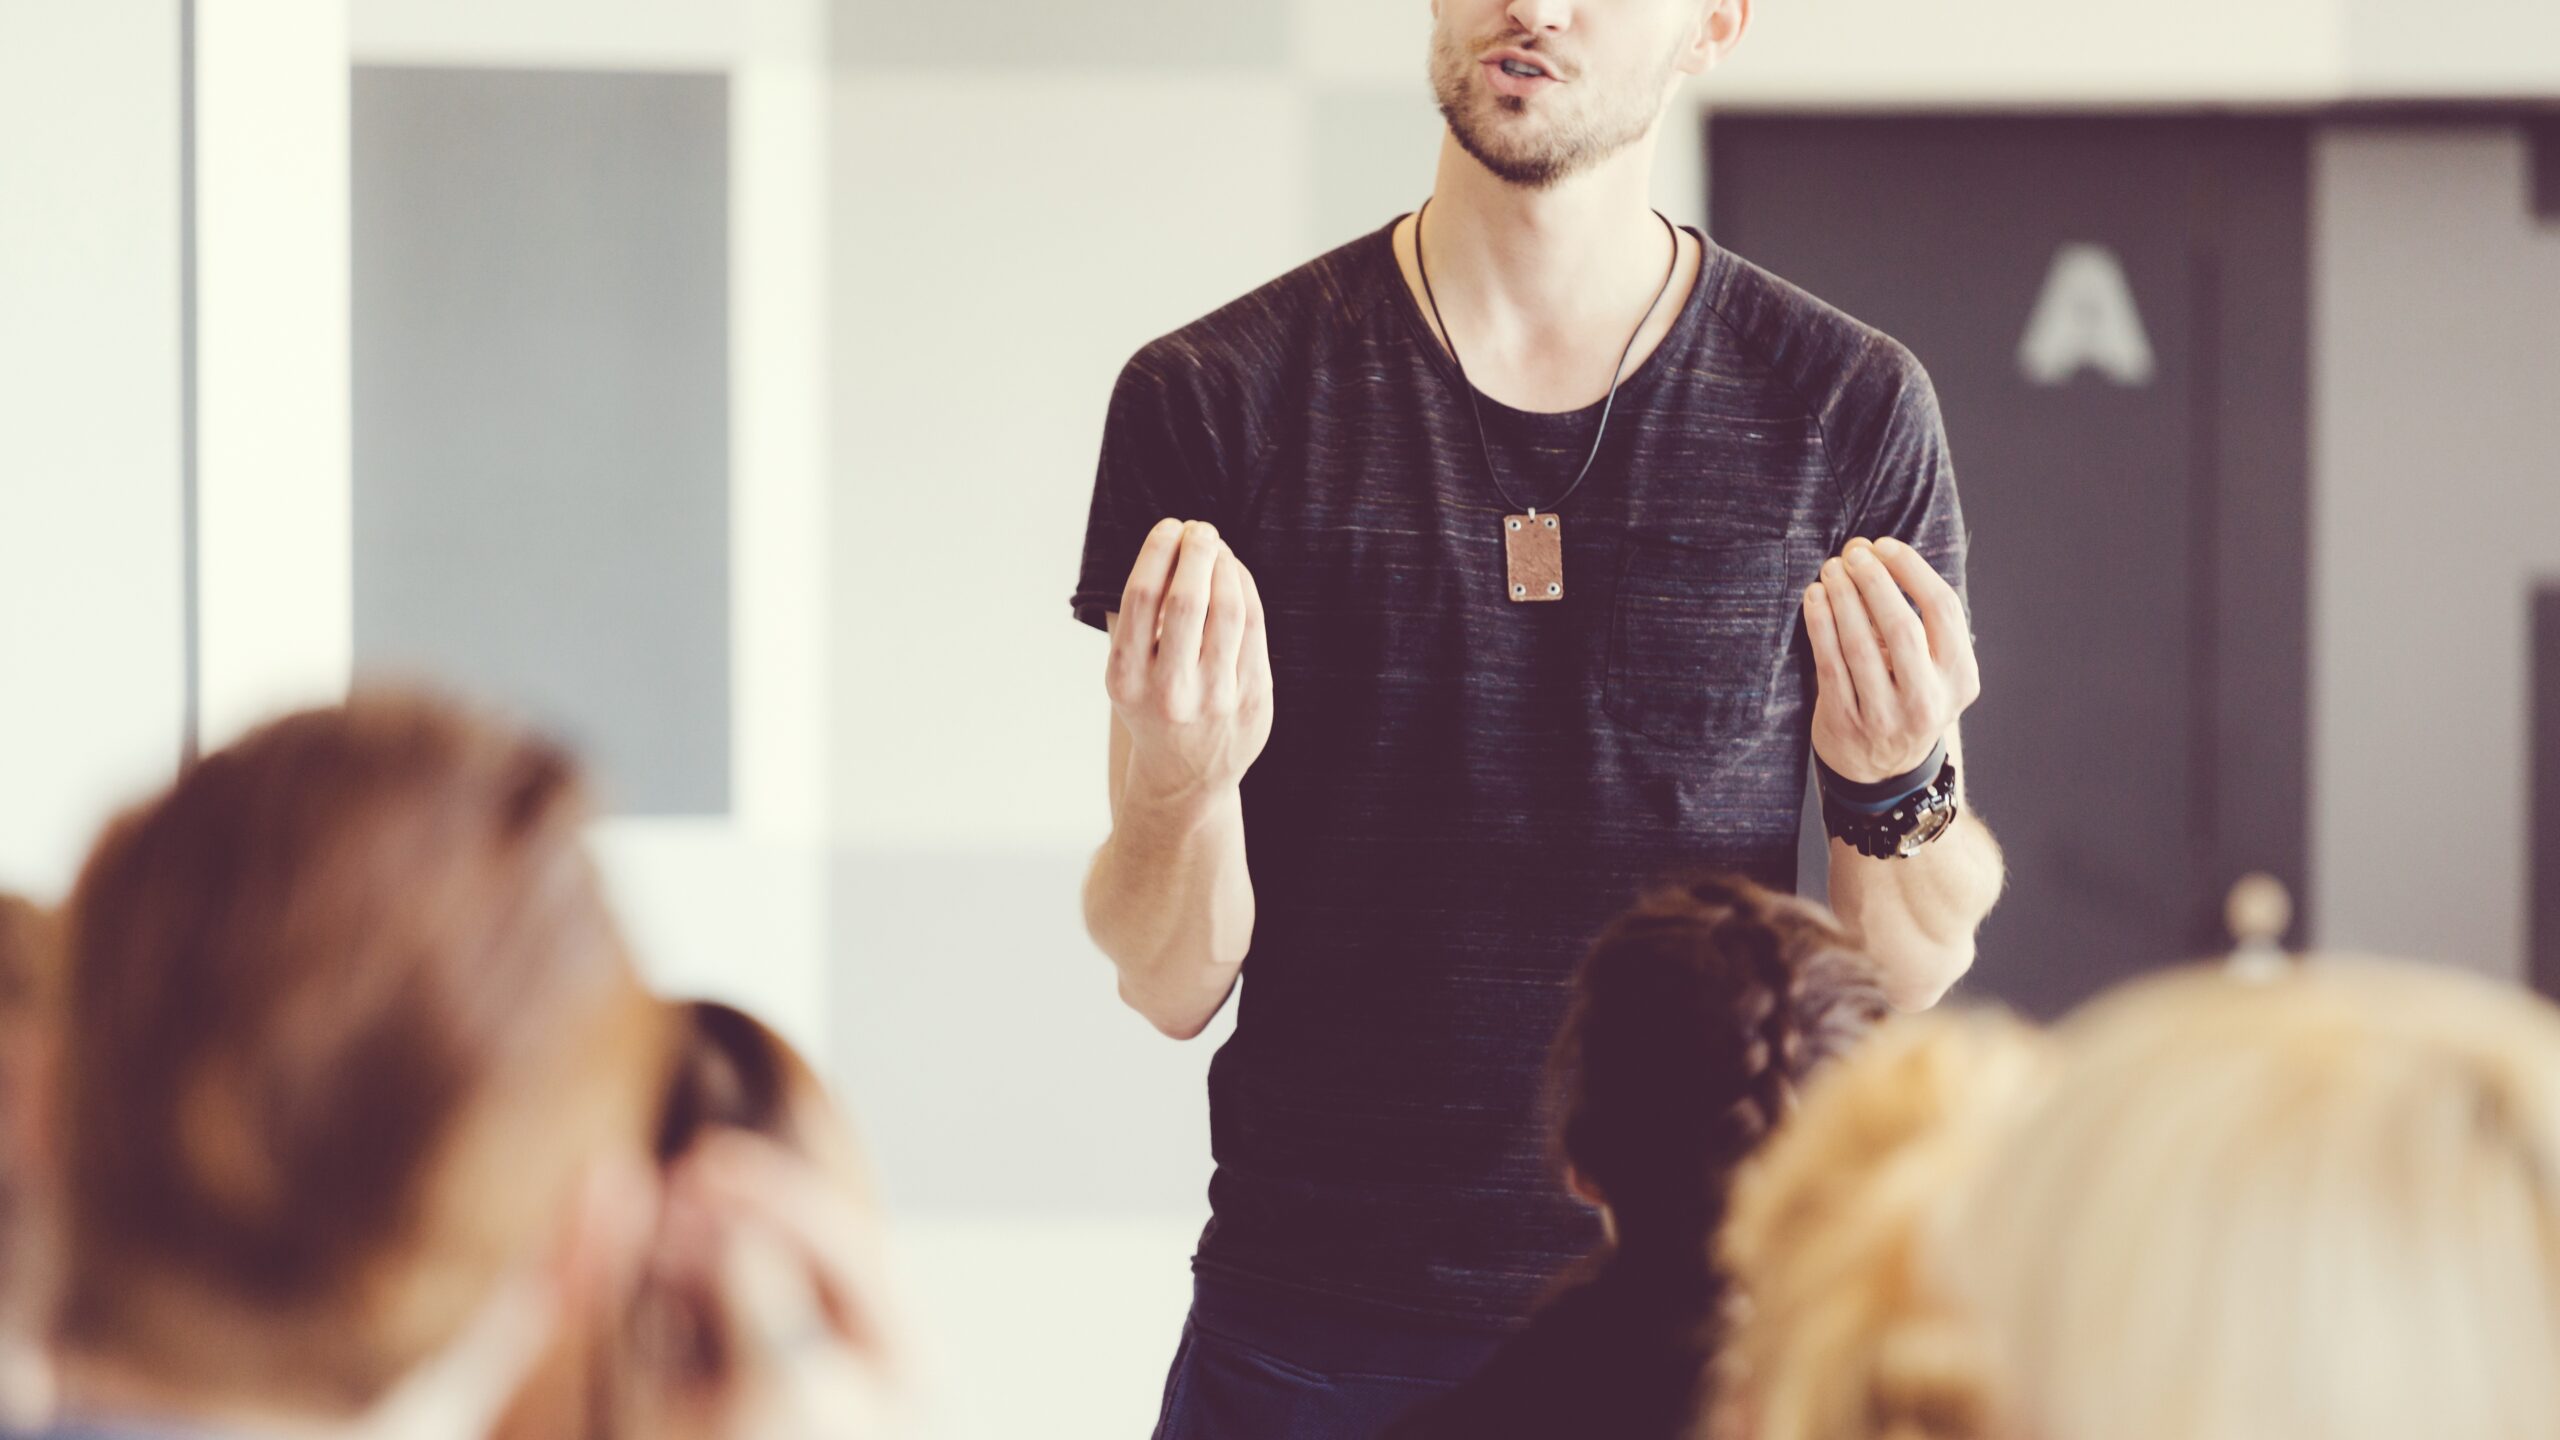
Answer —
(1506, 83)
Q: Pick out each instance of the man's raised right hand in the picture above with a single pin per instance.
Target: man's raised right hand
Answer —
(1190, 671)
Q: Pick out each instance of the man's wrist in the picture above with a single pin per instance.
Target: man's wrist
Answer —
(1900, 832)
(1876, 797)
(1174, 809)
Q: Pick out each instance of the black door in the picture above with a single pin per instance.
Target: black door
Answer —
(2114, 311)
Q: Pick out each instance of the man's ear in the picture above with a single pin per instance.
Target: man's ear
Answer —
(1721, 24)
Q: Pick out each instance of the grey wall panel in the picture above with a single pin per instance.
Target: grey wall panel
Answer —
(541, 407)
(2437, 445)
(1087, 34)
(999, 1068)
(2546, 791)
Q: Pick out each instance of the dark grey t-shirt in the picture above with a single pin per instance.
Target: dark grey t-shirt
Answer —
(1461, 790)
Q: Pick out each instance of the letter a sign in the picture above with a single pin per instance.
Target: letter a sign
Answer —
(2086, 320)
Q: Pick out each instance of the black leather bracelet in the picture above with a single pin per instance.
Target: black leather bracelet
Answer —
(1879, 796)
(1902, 831)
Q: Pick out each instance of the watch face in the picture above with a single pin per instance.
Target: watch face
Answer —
(1931, 823)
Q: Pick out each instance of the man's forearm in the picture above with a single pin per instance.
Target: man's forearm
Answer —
(1918, 916)
(1169, 899)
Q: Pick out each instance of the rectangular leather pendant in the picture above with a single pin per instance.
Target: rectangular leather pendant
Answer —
(1533, 546)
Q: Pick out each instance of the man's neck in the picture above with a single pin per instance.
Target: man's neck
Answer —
(1561, 267)
(1540, 288)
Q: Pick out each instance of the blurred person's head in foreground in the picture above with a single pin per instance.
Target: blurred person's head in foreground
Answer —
(756, 1157)
(1834, 1332)
(1696, 1018)
(30, 976)
(359, 1084)
(2323, 1206)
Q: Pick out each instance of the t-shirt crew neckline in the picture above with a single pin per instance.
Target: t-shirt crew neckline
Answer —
(1638, 380)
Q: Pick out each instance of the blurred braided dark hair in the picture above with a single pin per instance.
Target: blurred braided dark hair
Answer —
(1696, 1017)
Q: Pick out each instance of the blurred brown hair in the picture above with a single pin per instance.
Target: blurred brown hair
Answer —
(30, 1032)
(348, 1022)
(29, 963)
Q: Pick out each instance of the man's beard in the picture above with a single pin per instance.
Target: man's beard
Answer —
(1569, 145)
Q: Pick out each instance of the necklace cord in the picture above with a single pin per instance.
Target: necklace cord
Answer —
(1476, 412)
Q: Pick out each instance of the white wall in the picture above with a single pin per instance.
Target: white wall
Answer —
(92, 552)
(2080, 53)
(275, 621)
(91, 606)
(991, 284)
(2497, 48)
(560, 34)
(2062, 52)
(1045, 1150)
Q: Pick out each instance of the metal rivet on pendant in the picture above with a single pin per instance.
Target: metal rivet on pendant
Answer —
(1551, 522)
(1514, 524)
(1554, 589)
(1519, 589)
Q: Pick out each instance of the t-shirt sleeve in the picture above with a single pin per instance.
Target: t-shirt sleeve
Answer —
(1899, 477)
(1160, 459)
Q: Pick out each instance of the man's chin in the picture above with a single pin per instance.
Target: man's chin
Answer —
(1523, 171)
(1524, 166)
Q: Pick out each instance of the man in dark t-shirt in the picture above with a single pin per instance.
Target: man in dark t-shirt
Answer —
(1459, 582)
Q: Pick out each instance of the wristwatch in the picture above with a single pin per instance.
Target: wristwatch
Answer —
(1898, 831)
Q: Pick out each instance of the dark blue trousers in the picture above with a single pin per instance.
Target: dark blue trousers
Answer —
(1255, 1365)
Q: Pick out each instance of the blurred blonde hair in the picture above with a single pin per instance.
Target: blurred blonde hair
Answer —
(2320, 1207)
(1835, 1333)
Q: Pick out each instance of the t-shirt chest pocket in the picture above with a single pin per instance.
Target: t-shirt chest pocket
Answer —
(1696, 637)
